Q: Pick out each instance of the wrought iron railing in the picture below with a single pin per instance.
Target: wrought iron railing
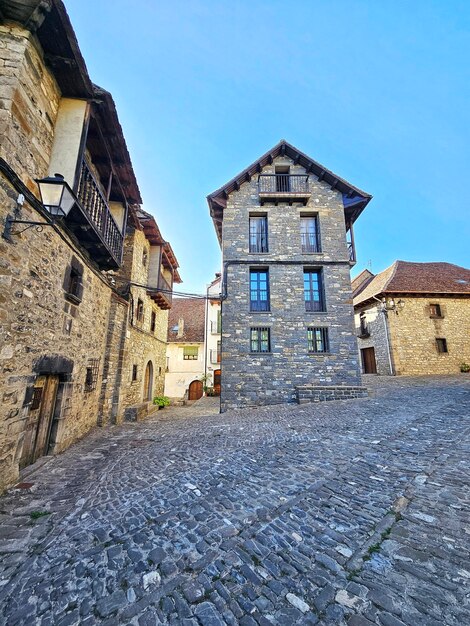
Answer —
(215, 328)
(283, 183)
(310, 242)
(97, 210)
(215, 356)
(352, 252)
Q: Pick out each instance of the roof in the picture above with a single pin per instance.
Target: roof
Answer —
(192, 311)
(154, 236)
(354, 199)
(50, 23)
(417, 278)
(361, 280)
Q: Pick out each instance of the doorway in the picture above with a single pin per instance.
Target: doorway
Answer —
(369, 365)
(148, 382)
(217, 382)
(40, 418)
(195, 390)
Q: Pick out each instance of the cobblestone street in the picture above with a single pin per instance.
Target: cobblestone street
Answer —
(342, 513)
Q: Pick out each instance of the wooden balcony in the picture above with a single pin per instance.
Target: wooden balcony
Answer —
(277, 188)
(92, 223)
(164, 297)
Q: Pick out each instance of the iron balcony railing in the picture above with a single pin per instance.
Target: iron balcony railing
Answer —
(283, 183)
(215, 356)
(310, 242)
(215, 328)
(352, 252)
(98, 213)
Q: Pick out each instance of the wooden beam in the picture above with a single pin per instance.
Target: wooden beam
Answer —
(283, 149)
(237, 186)
(259, 168)
(248, 177)
(321, 175)
(270, 159)
(297, 159)
(334, 183)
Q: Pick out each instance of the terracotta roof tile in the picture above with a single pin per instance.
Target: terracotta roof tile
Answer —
(192, 311)
(425, 278)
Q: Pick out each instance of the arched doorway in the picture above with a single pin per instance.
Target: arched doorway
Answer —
(148, 382)
(195, 390)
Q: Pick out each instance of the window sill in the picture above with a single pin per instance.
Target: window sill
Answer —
(316, 312)
(319, 353)
(261, 353)
(72, 298)
(255, 311)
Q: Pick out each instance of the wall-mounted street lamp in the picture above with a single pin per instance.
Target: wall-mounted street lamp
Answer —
(56, 197)
(389, 304)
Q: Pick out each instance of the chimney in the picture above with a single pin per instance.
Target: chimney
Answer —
(180, 327)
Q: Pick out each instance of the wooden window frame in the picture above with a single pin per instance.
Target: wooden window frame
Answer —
(260, 245)
(316, 248)
(73, 281)
(258, 304)
(438, 313)
(321, 306)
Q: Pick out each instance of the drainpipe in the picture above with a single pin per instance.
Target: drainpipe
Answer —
(206, 333)
(387, 335)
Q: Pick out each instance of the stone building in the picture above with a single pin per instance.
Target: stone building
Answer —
(69, 338)
(212, 343)
(285, 225)
(185, 352)
(413, 319)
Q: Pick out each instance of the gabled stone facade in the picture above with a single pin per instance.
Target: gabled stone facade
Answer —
(274, 374)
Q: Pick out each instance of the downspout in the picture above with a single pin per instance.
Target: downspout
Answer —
(206, 334)
(387, 335)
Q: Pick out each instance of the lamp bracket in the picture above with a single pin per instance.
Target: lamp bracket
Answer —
(8, 232)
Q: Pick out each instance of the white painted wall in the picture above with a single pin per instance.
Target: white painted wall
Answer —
(180, 372)
(67, 137)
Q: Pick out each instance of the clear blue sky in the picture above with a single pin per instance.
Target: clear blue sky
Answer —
(377, 91)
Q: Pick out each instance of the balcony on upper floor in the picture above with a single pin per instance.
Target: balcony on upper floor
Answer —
(92, 222)
(277, 188)
(164, 296)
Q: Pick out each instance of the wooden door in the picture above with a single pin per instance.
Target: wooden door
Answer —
(148, 382)
(369, 365)
(195, 390)
(41, 414)
(217, 383)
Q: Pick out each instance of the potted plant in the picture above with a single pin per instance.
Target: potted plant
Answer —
(464, 368)
(161, 401)
(205, 379)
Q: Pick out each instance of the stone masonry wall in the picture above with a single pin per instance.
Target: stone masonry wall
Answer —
(142, 345)
(254, 379)
(378, 337)
(413, 336)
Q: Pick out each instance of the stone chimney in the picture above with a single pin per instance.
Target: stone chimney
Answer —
(180, 327)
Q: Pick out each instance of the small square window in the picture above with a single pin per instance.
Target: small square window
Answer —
(318, 341)
(435, 310)
(441, 345)
(73, 281)
(260, 339)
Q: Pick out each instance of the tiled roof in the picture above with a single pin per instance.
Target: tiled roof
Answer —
(361, 280)
(417, 278)
(192, 312)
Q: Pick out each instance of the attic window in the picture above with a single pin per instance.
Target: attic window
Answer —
(435, 311)
(461, 281)
(174, 329)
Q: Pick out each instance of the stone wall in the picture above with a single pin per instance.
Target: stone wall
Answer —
(413, 336)
(376, 323)
(322, 393)
(255, 379)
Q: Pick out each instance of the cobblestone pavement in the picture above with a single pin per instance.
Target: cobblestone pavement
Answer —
(351, 513)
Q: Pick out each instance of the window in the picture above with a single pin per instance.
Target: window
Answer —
(73, 281)
(435, 310)
(441, 345)
(259, 290)
(260, 340)
(282, 179)
(153, 320)
(258, 233)
(219, 345)
(317, 339)
(364, 331)
(134, 373)
(190, 353)
(309, 233)
(140, 310)
(144, 258)
(313, 290)
(91, 376)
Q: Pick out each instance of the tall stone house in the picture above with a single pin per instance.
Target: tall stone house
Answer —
(84, 299)
(285, 225)
(213, 342)
(413, 319)
(185, 351)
